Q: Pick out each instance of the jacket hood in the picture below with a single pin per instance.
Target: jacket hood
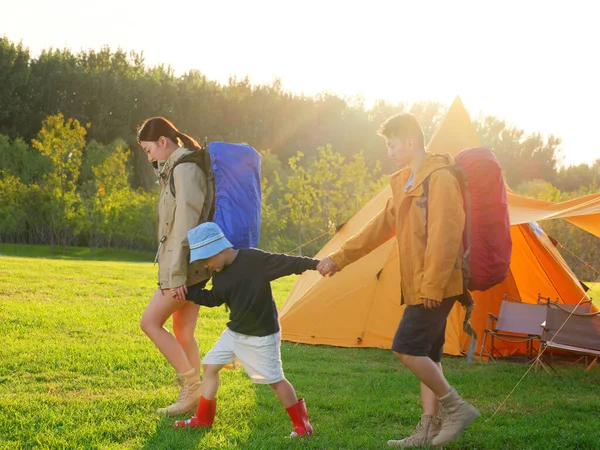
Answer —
(431, 163)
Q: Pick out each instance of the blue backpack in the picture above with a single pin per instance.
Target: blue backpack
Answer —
(233, 196)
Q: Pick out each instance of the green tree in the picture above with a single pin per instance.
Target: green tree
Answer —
(110, 193)
(273, 222)
(522, 158)
(320, 193)
(300, 199)
(572, 178)
(15, 81)
(62, 142)
(13, 211)
(22, 161)
(542, 190)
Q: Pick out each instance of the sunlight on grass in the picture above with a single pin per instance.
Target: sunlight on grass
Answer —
(77, 372)
(594, 293)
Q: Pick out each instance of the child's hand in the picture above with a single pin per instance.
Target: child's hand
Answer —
(179, 293)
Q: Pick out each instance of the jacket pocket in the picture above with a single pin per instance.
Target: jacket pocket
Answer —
(166, 213)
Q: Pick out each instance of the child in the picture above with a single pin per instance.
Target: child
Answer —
(242, 280)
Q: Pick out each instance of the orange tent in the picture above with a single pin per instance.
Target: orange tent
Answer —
(360, 306)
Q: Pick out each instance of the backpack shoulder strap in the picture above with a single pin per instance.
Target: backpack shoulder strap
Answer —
(202, 159)
(466, 300)
(461, 176)
(423, 202)
(193, 157)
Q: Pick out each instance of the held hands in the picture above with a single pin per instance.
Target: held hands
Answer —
(179, 293)
(327, 267)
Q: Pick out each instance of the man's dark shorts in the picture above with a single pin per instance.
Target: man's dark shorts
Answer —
(422, 331)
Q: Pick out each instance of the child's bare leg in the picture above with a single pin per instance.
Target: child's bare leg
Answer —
(285, 393)
(210, 381)
(207, 407)
(296, 409)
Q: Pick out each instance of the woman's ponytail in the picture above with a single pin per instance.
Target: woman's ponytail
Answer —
(187, 141)
(155, 127)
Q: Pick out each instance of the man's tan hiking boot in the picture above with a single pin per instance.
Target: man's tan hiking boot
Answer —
(189, 395)
(458, 415)
(427, 428)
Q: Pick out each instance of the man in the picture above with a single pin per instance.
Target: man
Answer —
(428, 223)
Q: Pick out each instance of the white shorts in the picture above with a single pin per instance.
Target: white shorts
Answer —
(259, 355)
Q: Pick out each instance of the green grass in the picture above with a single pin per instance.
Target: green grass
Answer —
(77, 372)
(75, 253)
(594, 293)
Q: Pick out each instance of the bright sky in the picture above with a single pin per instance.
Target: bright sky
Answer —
(532, 63)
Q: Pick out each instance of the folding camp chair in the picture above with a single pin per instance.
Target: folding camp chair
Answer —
(584, 307)
(568, 329)
(517, 323)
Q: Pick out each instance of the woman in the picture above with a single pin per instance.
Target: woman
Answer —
(164, 145)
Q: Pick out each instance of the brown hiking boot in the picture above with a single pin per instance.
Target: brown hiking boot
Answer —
(458, 416)
(426, 430)
(189, 395)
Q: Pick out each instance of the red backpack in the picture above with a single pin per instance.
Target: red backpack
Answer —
(486, 239)
(487, 231)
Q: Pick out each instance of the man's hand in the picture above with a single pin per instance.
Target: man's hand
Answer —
(431, 304)
(327, 267)
(179, 293)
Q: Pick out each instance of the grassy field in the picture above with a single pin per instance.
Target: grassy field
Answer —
(594, 293)
(76, 372)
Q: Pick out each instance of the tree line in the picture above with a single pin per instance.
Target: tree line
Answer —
(71, 172)
(114, 91)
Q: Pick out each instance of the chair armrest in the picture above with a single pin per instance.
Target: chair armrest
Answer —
(490, 324)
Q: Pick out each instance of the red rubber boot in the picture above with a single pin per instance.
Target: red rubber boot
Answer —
(204, 418)
(299, 416)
